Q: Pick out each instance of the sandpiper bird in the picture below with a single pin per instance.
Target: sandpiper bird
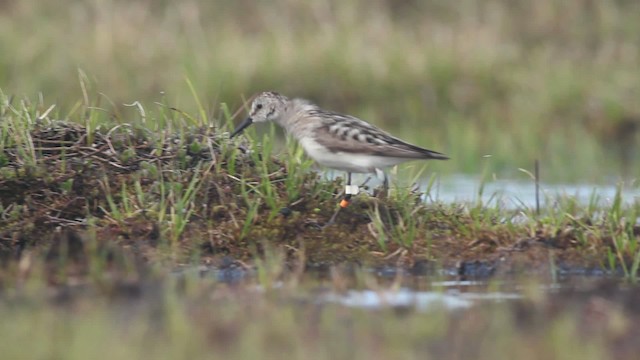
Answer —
(335, 140)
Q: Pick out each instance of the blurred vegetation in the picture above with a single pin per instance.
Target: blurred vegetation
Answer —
(556, 80)
(195, 319)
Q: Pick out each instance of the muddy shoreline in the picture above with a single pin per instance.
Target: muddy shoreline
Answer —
(125, 190)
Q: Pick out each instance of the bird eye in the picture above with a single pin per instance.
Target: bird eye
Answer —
(259, 106)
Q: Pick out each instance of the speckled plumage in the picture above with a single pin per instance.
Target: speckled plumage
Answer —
(334, 140)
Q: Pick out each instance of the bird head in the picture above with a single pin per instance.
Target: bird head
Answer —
(267, 106)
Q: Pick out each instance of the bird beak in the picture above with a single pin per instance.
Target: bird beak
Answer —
(243, 125)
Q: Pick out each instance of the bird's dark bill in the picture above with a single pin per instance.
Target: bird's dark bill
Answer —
(243, 125)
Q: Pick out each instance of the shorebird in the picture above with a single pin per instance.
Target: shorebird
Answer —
(335, 140)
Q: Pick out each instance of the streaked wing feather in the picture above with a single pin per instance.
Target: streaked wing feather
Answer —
(348, 134)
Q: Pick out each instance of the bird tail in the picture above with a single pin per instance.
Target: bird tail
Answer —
(429, 154)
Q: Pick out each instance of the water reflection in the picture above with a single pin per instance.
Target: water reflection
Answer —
(420, 300)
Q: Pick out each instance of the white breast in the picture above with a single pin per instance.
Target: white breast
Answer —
(350, 162)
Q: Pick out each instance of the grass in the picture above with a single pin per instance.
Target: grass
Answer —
(518, 81)
(91, 233)
(176, 191)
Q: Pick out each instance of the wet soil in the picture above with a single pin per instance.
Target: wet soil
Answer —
(65, 201)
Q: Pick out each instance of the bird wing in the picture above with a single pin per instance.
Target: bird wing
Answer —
(348, 134)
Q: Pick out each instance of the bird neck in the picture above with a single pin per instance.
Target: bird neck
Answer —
(293, 118)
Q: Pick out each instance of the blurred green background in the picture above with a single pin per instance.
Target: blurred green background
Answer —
(518, 80)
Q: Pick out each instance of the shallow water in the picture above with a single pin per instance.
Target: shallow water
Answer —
(397, 289)
(449, 297)
(520, 193)
(509, 193)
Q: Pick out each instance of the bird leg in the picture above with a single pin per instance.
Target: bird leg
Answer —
(385, 181)
(366, 181)
(345, 200)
